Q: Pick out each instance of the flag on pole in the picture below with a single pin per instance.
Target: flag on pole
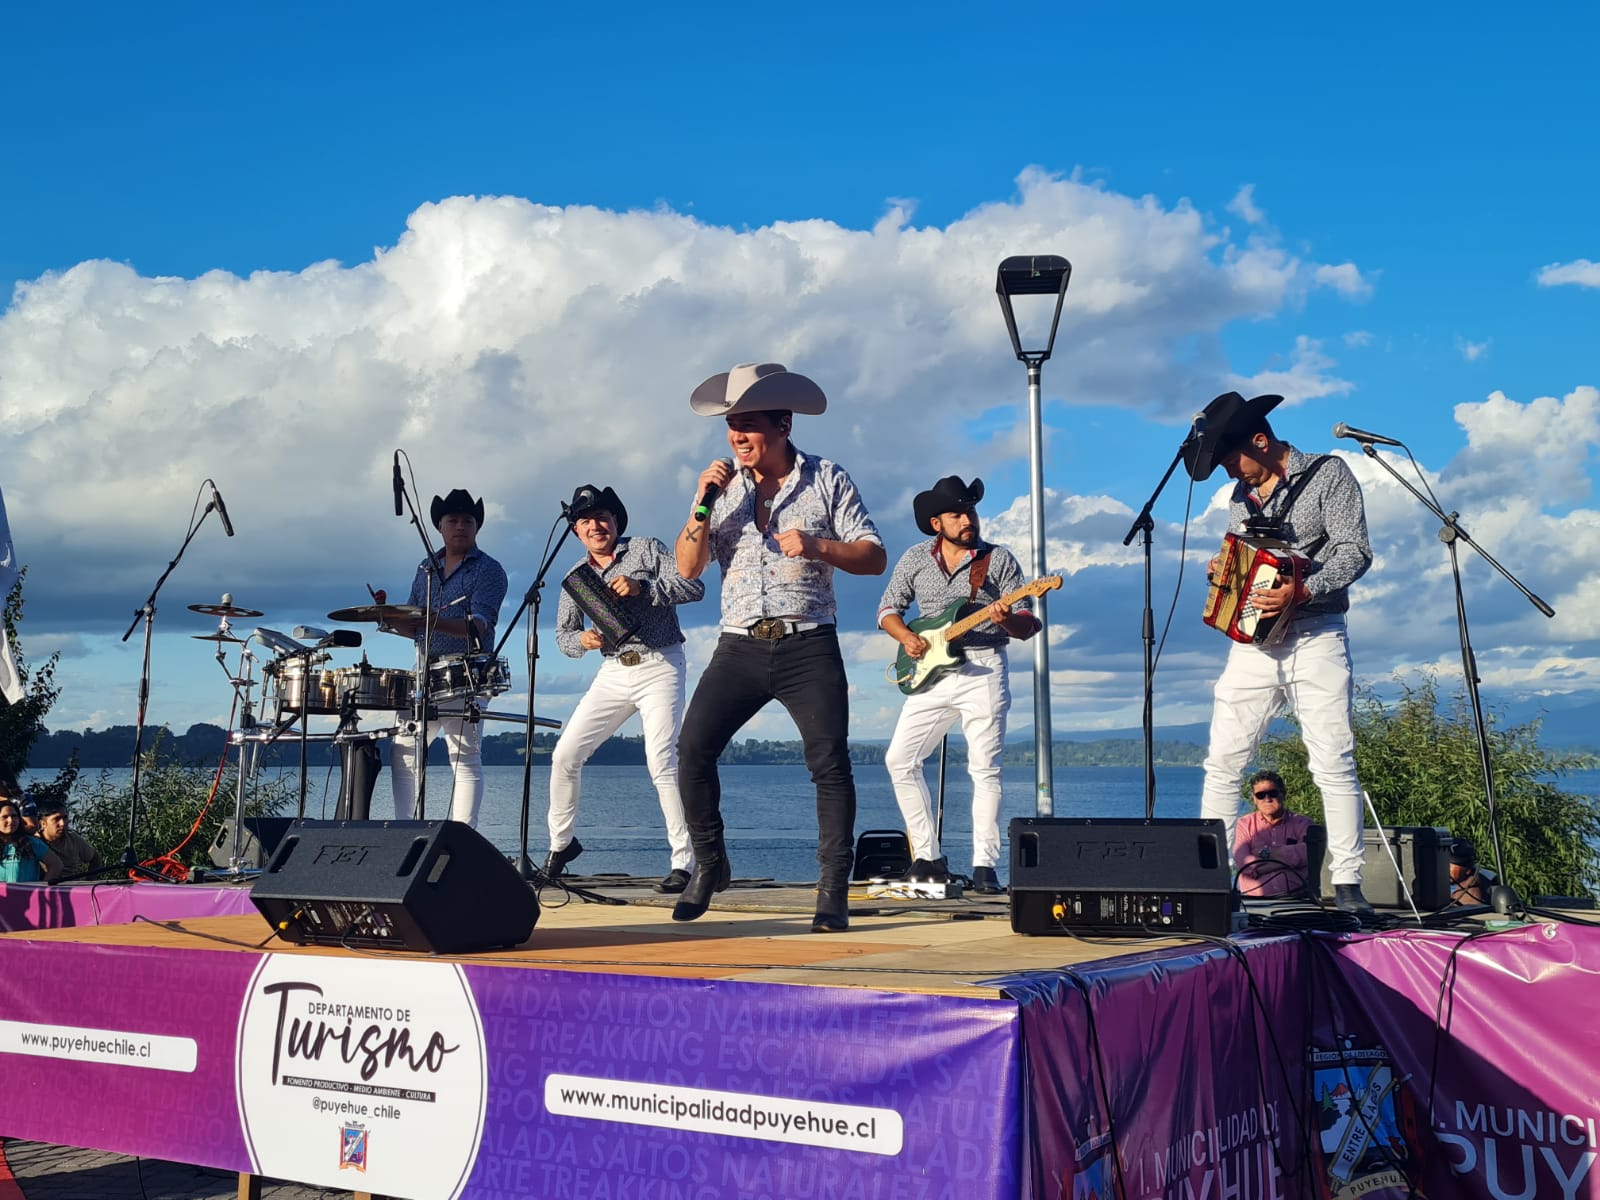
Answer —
(10, 678)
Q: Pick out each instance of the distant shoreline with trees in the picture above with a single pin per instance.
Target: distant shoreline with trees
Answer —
(203, 744)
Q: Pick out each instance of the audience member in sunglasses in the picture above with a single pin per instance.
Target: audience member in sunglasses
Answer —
(1469, 883)
(1269, 844)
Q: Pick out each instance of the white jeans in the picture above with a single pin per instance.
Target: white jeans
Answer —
(1309, 674)
(978, 694)
(463, 740)
(655, 690)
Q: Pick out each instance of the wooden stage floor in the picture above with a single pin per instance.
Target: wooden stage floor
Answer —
(752, 934)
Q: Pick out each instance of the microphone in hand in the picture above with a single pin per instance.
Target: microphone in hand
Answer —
(708, 497)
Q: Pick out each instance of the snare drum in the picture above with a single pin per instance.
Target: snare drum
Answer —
(374, 687)
(319, 699)
(458, 676)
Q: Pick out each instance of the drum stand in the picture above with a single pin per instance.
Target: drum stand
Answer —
(248, 752)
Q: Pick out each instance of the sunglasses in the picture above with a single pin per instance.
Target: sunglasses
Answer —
(1269, 794)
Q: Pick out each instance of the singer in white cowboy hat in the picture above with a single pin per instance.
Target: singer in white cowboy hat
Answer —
(779, 522)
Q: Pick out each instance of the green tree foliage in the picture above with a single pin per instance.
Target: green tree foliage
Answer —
(1418, 760)
(22, 724)
(172, 797)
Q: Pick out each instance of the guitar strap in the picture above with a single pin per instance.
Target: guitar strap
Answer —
(978, 573)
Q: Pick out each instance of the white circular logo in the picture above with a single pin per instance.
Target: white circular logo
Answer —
(363, 1075)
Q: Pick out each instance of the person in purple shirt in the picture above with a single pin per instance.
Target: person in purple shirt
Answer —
(782, 522)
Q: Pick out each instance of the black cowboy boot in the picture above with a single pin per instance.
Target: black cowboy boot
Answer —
(555, 863)
(833, 904)
(712, 873)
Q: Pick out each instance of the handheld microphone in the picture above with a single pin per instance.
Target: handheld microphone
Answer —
(1341, 430)
(399, 487)
(222, 509)
(709, 497)
(1197, 427)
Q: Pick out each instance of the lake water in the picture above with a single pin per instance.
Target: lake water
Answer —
(770, 811)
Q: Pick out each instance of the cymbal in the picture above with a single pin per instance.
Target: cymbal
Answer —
(381, 613)
(225, 610)
(216, 637)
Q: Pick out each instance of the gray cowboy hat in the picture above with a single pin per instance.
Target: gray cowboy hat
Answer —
(458, 501)
(948, 495)
(757, 387)
(588, 498)
(1226, 419)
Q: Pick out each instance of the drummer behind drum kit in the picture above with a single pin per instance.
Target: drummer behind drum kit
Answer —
(300, 686)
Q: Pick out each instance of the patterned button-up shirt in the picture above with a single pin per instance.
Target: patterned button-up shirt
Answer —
(475, 589)
(1328, 519)
(758, 581)
(920, 575)
(652, 564)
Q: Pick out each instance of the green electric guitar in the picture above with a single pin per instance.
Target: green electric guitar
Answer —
(941, 630)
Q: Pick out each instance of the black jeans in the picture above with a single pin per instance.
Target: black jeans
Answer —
(805, 673)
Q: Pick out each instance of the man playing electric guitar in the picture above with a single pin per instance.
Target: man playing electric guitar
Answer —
(958, 565)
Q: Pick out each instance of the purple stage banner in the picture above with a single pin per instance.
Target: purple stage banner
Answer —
(25, 906)
(429, 1079)
(1171, 1074)
(1457, 1066)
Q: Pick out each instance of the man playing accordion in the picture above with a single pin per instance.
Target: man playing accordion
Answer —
(629, 589)
(1314, 505)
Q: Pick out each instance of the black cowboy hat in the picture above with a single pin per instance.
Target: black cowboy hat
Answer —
(1226, 419)
(948, 495)
(1463, 854)
(458, 501)
(588, 498)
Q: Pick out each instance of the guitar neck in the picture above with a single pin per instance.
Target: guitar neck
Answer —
(970, 622)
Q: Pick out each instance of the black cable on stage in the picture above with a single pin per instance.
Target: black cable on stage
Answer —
(1098, 1057)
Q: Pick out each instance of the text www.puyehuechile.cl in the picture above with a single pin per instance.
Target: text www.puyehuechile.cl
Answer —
(771, 1118)
(156, 1051)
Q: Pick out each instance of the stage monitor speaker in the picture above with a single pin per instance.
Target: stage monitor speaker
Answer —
(435, 886)
(1423, 853)
(1098, 876)
(259, 838)
(881, 853)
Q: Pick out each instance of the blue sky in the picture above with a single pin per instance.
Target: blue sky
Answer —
(268, 245)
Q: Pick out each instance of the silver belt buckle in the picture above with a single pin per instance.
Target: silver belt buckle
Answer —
(630, 658)
(769, 629)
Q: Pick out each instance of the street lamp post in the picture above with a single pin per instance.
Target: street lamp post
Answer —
(1037, 275)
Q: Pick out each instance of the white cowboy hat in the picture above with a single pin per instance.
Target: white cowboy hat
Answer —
(757, 387)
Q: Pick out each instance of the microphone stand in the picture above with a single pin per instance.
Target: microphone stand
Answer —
(419, 712)
(531, 601)
(1502, 897)
(147, 614)
(1143, 524)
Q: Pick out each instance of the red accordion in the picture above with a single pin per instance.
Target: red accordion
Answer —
(1246, 567)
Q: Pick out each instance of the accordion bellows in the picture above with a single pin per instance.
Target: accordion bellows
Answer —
(606, 610)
